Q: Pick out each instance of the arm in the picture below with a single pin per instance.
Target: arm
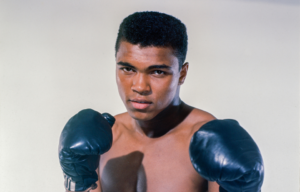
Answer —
(213, 186)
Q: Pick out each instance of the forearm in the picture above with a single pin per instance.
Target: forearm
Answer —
(213, 186)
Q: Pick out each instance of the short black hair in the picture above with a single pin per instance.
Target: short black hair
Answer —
(151, 28)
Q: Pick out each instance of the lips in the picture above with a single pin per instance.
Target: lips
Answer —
(140, 104)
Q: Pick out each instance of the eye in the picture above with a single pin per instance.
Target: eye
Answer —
(127, 69)
(159, 72)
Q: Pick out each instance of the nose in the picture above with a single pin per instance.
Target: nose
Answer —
(140, 84)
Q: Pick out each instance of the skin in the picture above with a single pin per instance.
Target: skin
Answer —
(150, 150)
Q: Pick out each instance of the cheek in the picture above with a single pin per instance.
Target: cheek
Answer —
(122, 84)
(166, 91)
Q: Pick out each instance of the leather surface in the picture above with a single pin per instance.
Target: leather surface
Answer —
(84, 138)
(222, 151)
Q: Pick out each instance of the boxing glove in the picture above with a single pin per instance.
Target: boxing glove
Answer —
(84, 138)
(222, 151)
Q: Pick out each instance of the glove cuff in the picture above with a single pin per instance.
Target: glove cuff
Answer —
(71, 185)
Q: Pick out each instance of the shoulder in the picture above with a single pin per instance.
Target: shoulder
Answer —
(122, 123)
(199, 117)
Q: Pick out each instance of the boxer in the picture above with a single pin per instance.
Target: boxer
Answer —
(160, 144)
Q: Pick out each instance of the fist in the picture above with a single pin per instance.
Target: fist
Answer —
(84, 138)
(222, 151)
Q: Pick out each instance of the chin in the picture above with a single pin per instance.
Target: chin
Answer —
(141, 116)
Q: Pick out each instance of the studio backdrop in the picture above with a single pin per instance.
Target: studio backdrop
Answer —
(57, 57)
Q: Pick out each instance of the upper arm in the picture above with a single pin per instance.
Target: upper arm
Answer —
(213, 186)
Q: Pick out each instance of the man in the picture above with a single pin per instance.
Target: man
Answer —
(151, 148)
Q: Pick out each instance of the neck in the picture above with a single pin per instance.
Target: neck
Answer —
(166, 120)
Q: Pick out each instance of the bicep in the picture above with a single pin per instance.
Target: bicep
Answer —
(213, 186)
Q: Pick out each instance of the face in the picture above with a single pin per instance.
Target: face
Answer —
(148, 79)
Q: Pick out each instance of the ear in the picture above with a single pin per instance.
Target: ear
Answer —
(183, 73)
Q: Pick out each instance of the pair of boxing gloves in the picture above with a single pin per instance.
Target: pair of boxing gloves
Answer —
(220, 151)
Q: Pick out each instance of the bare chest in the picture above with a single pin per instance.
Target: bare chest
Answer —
(157, 165)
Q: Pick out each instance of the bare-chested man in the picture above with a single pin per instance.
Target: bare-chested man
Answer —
(151, 141)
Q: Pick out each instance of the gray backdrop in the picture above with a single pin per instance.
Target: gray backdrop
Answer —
(57, 57)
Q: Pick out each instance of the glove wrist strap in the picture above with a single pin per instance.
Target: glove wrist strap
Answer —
(72, 186)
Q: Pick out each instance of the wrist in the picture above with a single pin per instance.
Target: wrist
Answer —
(94, 186)
(76, 186)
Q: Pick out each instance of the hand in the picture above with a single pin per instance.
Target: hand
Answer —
(84, 138)
(222, 151)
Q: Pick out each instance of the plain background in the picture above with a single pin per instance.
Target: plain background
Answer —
(57, 57)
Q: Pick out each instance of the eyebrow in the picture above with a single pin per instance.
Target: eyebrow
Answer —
(125, 64)
(162, 66)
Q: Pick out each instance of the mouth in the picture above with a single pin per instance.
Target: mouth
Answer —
(140, 104)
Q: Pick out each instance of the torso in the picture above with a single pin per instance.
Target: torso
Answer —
(137, 163)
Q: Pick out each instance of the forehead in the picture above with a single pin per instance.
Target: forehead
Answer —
(150, 55)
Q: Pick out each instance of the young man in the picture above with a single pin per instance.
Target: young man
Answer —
(151, 148)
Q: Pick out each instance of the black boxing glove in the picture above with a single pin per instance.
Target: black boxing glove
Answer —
(84, 138)
(222, 151)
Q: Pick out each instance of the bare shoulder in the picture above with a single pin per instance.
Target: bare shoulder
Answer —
(122, 124)
(202, 115)
(122, 117)
(198, 117)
